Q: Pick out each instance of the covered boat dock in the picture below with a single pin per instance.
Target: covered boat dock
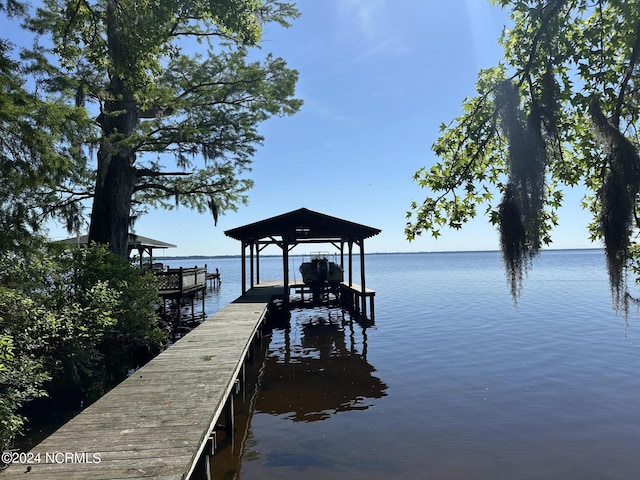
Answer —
(304, 226)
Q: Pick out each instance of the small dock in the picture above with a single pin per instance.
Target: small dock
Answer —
(179, 286)
(181, 281)
(158, 422)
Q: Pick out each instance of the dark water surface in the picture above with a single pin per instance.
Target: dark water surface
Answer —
(452, 382)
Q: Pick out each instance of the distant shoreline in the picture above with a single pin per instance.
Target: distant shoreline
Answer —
(199, 257)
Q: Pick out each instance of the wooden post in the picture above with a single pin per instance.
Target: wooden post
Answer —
(243, 378)
(258, 262)
(350, 244)
(180, 286)
(285, 267)
(212, 443)
(251, 245)
(244, 268)
(228, 417)
(363, 284)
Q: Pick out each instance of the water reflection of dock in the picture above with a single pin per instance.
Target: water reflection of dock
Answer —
(320, 371)
(310, 369)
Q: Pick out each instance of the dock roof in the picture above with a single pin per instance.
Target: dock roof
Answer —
(303, 226)
(134, 242)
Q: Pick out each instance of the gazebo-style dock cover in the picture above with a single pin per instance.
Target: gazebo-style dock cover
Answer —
(297, 227)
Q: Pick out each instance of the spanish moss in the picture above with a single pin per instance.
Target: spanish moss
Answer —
(213, 208)
(522, 205)
(513, 241)
(617, 196)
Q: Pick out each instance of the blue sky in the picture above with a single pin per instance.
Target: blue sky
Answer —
(378, 77)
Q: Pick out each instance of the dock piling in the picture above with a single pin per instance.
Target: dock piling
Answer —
(229, 418)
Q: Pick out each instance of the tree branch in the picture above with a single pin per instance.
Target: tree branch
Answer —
(635, 52)
(155, 112)
(536, 39)
(459, 176)
(147, 172)
(170, 191)
(154, 186)
(64, 203)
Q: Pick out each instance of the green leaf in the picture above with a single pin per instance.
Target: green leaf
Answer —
(561, 57)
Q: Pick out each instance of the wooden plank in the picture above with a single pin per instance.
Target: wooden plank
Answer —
(358, 289)
(156, 423)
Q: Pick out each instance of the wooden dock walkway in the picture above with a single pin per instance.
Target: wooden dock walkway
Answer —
(157, 423)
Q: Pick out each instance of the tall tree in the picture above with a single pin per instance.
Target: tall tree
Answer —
(164, 78)
(35, 134)
(562, 110)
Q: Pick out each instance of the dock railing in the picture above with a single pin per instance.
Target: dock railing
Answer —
(182, 280)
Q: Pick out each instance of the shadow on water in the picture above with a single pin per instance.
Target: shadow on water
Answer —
(308, 370)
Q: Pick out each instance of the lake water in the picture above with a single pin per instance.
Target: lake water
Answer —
(451, 382)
